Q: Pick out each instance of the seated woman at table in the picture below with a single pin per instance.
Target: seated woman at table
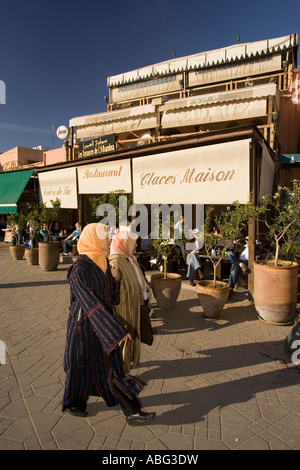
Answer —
(55, 232)
(195, 267)
(44, 234)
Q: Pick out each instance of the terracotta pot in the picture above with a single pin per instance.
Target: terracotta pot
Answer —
(275, 291)
(212, 298)
(49, 254)
(166, 291)
(17, 251)
(32, 256)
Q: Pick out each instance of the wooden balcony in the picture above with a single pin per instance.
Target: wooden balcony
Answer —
(280, 79)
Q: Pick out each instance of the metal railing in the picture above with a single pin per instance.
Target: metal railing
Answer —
(268, 131)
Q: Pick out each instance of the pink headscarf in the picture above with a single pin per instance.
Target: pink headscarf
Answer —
(124, 243)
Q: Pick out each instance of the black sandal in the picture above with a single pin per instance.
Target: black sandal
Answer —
(75, 412)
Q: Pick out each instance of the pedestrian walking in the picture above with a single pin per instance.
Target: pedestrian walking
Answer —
(92, 359)
(134, 291)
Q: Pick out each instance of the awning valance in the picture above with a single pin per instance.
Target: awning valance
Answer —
(117, 115)
(233, 53)
(214, 113)
(12, 184)
(248, 94)
(115, 122)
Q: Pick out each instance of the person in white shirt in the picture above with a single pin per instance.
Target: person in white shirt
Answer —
(195, 267)
(74, 236)
(238, 263)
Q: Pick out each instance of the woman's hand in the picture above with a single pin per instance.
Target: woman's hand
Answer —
(128, 336)
(115, 273)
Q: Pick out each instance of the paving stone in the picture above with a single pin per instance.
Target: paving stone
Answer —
(235, 436)
(215, 384)
(255, 443)
(177, 442)
(11, 444)
(113, 427)
(21, 430)
(80, 439)
(44, 422)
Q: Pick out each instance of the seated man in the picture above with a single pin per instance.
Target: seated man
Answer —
(238, 263)
(195, 268)
(74, 236)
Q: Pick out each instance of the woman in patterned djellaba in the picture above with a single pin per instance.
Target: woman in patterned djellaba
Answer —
(92, 360)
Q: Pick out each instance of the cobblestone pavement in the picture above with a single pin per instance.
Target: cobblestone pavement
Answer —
(215, 384)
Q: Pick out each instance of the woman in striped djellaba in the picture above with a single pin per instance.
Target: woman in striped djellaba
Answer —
(134, 290)
(92, 360)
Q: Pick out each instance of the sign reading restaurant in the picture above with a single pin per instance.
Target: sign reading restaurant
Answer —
(94, 147)
(101, 178)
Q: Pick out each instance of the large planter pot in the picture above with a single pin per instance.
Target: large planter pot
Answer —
(275, 291)
(166, 290)
(212, 298)
(49, 254)
(32, 256)
(17, 251)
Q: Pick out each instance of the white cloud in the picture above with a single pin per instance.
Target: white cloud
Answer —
(17, 128)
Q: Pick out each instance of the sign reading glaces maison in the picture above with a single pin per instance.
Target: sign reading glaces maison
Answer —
(210, 174)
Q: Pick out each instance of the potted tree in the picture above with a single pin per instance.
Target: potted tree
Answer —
(17, 223)
(214, 294)
(49, 252)
(166, 286)
(33, 223)
(275, 279)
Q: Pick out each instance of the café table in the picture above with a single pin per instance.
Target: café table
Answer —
(222, 268)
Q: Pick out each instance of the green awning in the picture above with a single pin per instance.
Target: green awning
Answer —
(289, 158)
(12, 184)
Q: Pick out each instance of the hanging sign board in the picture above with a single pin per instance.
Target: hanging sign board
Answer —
(62, 132)
(94, 147)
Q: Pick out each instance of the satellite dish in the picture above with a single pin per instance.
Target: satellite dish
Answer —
(62, 132)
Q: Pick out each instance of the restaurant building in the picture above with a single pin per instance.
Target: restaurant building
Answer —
(207, 128)
(189, 115)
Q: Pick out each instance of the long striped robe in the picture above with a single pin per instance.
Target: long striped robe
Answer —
(92, 359)
(128, 309)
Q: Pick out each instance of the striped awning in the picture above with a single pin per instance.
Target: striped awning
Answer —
(12, 185)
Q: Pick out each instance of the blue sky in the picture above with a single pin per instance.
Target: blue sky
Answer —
(55, 56)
